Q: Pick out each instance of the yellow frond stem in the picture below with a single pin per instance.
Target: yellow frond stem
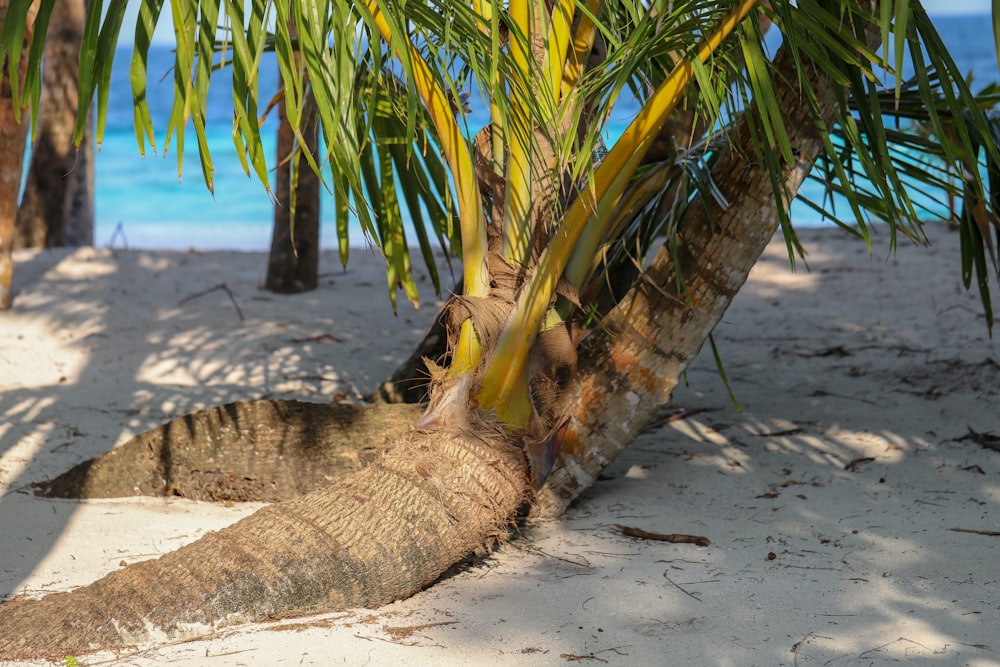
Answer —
(514, 411)
(590, 249)
(516, 224)
(613, 175)
(468, 351)
(592, 206)
(517, 197)
(558, 45)
(485, 10)
(530, 20)
(504, 383)
(555, 318)
(583, 42)
(520, 13)
(456, 152)
(625, 156)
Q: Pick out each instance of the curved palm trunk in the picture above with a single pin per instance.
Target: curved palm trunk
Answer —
(267, 450)
(632, 364)
(57, 208)
(380, 535)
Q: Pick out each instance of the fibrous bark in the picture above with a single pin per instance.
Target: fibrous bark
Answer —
(380, 535)
(266, 450)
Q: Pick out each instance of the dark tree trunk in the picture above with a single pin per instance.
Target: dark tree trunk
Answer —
(293, 265)
(57, 208)
(12, 145)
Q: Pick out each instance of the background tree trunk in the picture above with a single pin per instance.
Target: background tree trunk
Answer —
(12, 144)
(293, 264)
(57, 207)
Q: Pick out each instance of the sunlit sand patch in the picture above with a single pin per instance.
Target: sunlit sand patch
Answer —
(16, 459)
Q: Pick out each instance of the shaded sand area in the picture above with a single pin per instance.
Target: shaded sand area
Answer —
(848, 505)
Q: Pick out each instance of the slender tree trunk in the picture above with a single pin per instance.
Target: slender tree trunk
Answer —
(632, 363)
(378, 536)
(13, 137)
(57, 207)
(293, 265)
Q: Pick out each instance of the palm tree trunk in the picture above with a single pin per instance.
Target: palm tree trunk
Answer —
(57, 208)
(632, 363)
(267, 450)
(293, 264)
(379, 536)
(12, 144)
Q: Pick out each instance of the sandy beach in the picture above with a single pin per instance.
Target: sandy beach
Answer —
(852, 505)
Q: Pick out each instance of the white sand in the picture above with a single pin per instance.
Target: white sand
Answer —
(810, 564)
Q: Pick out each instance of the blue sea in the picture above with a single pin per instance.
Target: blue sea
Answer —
(142, 202)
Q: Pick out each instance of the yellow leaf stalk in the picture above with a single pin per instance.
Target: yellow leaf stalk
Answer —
(594, 243)
(517, 196)
(537, 85)
(583, 42)
(459, 159)
(558, 45)
(505, 373)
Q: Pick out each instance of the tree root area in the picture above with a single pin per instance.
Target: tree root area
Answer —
(378, 535)
(263, 450)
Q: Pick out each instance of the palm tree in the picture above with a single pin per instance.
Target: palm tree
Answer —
(293, 261)
(57, 208)
(565, 337)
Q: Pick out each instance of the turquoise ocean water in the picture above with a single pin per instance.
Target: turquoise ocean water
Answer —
(143, 198)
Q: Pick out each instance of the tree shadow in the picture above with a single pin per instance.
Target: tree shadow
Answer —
(102, 345)
(829, 500)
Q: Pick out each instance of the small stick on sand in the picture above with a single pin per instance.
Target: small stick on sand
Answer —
(677, 538)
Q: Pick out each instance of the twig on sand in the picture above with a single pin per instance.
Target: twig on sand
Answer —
(682, 590)
(988, 533)
(663, 418)
(676, 538)
(221, 286)
(865, 654)
(853, 465)
(983, 439)
(797, 646)
(570, 657)
(401, 632)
